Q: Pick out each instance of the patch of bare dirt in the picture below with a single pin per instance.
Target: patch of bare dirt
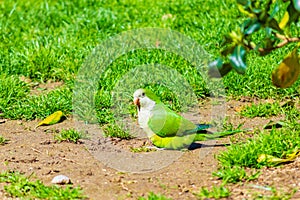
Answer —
(34, 151)
(45, 87)
(37, 88)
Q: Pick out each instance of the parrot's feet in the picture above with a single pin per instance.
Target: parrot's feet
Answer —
(155, 148)
(152, 146)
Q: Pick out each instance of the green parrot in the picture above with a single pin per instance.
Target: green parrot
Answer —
(165, 128)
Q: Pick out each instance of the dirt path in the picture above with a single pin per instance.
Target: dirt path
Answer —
(34, 151)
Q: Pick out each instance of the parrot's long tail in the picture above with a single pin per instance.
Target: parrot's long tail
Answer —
(215, 135)
(201, 127)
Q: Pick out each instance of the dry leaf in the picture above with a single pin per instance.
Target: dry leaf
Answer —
(241, 108)
(51, 119)
(276, 161)
(287, 72)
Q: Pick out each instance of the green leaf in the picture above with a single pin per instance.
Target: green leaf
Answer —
(291, 15)
(216, 63)
(272, 23)
(226, 68)
(227, 50)
(275, 9)
(296, 4)
(268, 32)
(217, 68)
(238, 59)
(253, 27)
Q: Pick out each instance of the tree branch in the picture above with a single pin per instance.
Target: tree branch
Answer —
(285, 41)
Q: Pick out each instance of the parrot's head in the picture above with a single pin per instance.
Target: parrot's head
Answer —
(144, 99)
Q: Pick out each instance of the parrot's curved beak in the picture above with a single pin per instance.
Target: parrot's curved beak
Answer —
(136, 102)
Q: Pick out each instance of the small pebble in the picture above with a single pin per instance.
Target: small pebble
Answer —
(61, 180)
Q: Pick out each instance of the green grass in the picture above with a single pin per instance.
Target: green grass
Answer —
(153, 196)
(17, 103)
(276, 195)
(70, 135)
(113, 130)
(19, 186)
(276, 142)
(11, 90)
(235, 174)
(279, 142)
(38, 107)
(217, 192)
(227, 125)
(266, 110)
(50, 41)
(3, 140)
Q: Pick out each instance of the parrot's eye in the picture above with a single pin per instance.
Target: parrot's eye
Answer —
(143, 94)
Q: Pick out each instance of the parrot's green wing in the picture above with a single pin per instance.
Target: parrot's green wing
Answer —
(166, 123)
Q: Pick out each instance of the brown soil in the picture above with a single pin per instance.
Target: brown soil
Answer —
(96, 163)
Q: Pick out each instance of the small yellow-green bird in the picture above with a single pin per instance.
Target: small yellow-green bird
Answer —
(165, 128)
